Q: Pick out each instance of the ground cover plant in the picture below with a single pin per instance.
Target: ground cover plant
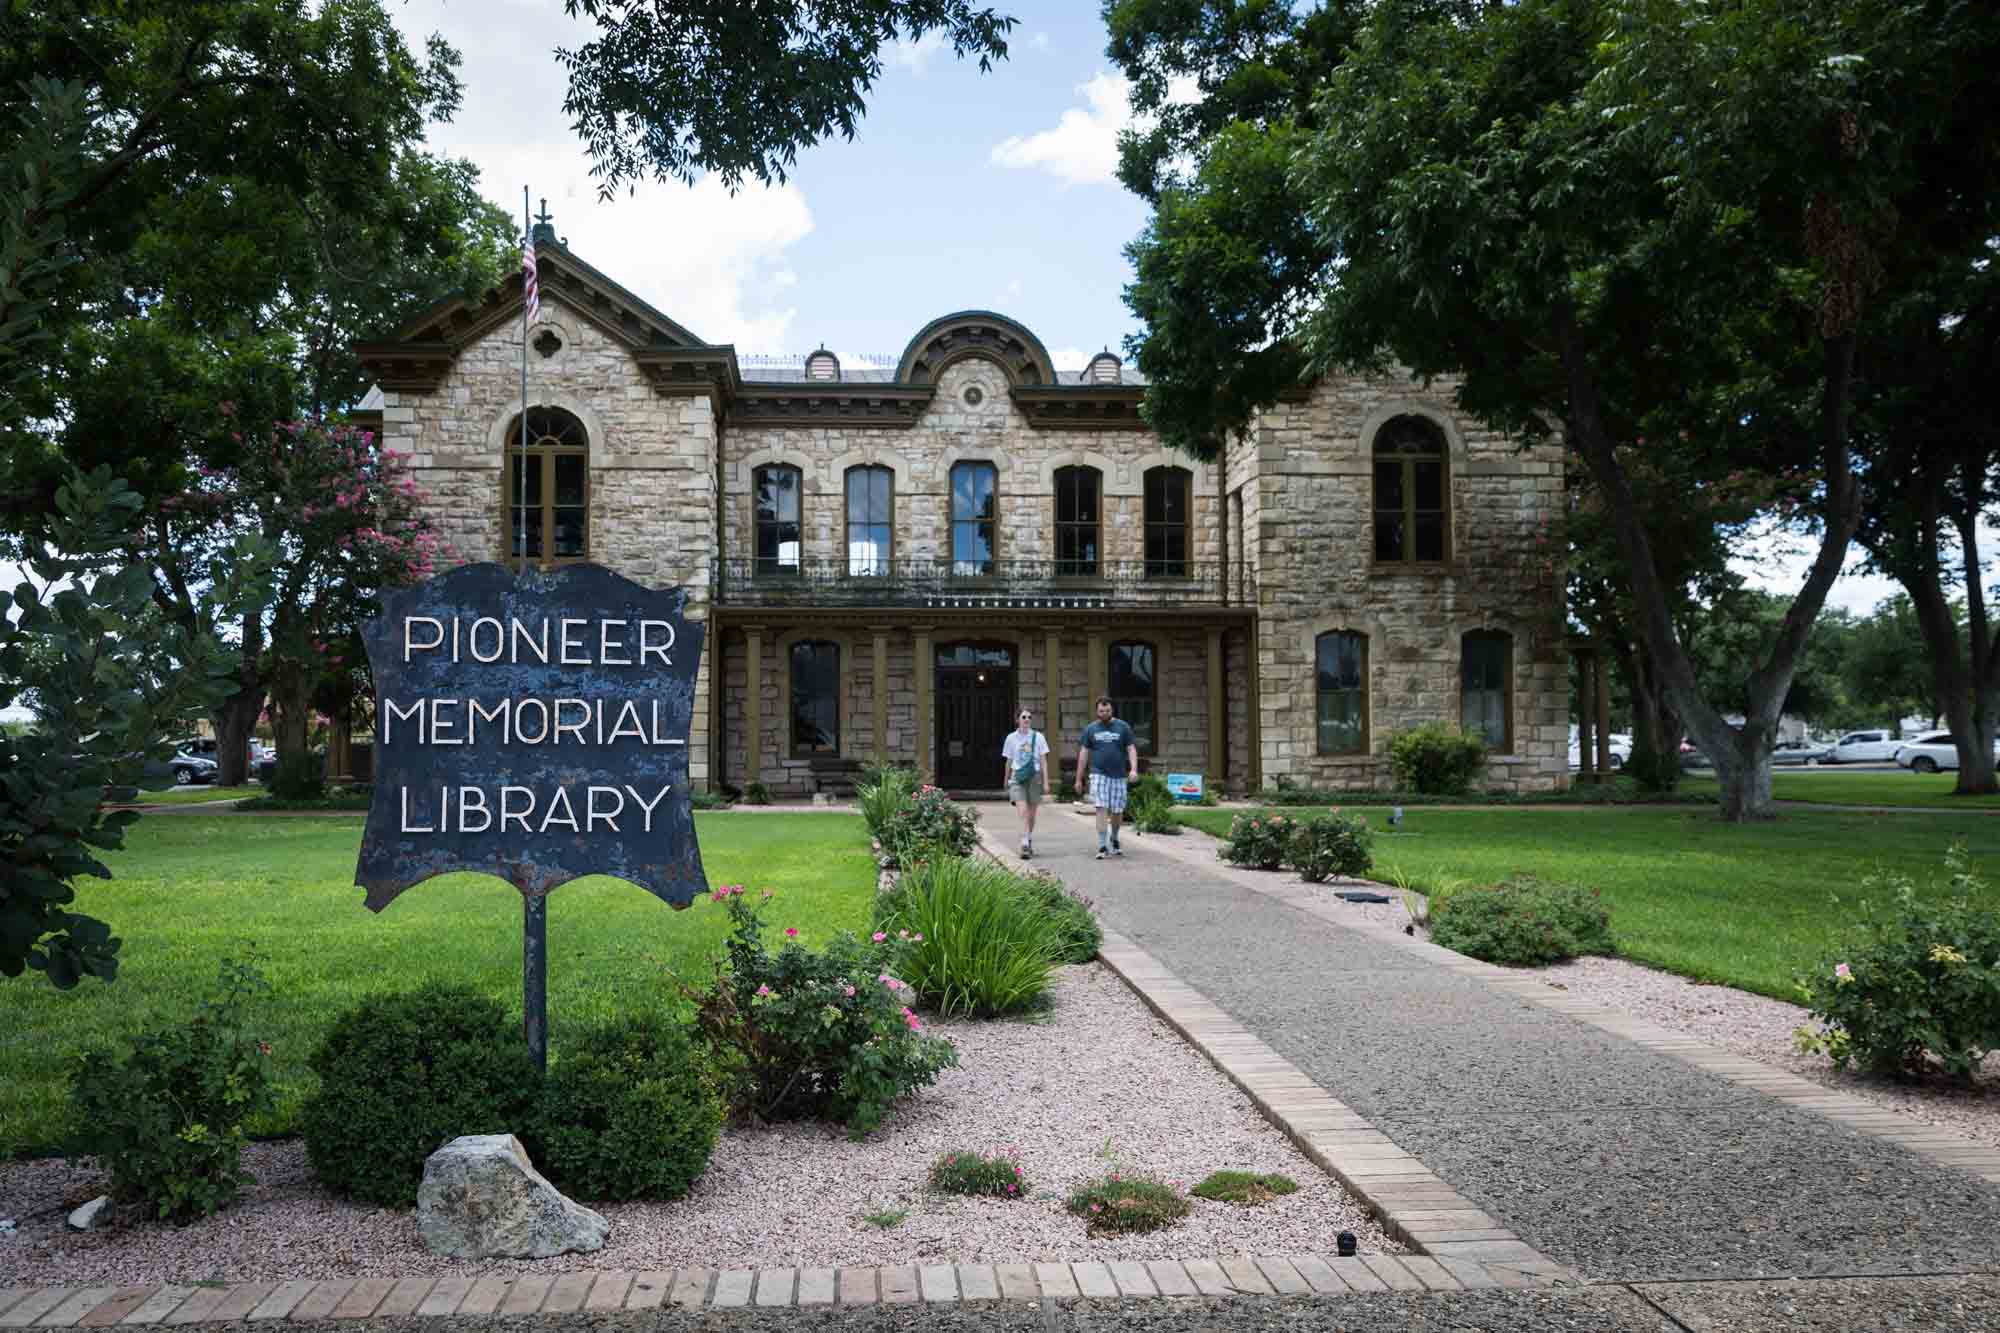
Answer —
(1522, 922)
(1743, 904)
(1246, 1188)
(1121, 1202)
(964, 1172)
(981, 939)
(190, 889)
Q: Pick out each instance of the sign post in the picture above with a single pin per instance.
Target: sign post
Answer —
(536, 729)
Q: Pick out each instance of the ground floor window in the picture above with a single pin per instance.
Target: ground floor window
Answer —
(1485, 688)
(815, 698)
(1132, 681)
(1341, 692)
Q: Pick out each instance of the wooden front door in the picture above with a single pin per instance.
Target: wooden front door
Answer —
(975, 711)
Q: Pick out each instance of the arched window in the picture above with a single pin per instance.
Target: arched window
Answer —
(871, 520)
(548, 487)
(1341, 692)
(777, 490)
(1131, 679)
(1079, 521)
(1169, 514)
(974, 508)
(815, 698)
(1412, 524)
(1486, 687)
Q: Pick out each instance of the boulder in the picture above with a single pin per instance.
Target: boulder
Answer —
(84, 1218)
(483, 1199)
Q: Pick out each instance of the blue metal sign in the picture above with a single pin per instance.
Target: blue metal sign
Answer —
(533, 728)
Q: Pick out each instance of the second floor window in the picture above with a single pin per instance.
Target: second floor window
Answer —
(548, 486)
(974, 499)
(1411, 525)
(1169, 512)
(1078, 519)
(777, 491)
(1133, 684)
(870, 520)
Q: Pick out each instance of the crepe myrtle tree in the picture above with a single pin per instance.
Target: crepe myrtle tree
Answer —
(344, 518)
(114, 680)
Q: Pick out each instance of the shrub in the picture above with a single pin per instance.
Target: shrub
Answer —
(1074, 915)
(882, 792)
(1149, 805)
(756, 794)
(1118, 1203)
(628, 1112)
(1437, 759)
(928, 823)
(401, 1075)
(981, 943)
(1065, 789)
(166, 1121)
(1245, 1188)
(800, 1035)
(299, 777)
(1522, 922)
(996, 1177)
(1328, 846)
(1261, 842)
(709, 800)
(1919, 978)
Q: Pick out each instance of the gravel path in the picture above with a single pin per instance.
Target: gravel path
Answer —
(1100, 1070)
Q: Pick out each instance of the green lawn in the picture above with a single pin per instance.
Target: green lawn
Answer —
(191, 889)
(199, 795)
(1898, 788)
(1745, 904)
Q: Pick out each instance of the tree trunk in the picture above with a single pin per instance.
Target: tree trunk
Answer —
(235, 722)
(1586, 750)
(1656, 731)
(1743, 769)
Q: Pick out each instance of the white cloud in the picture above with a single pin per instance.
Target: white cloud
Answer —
(915, 56)
(1069, 358)
(1013, 287)
(1779, 564)
(1040, 41)
(1082, 149)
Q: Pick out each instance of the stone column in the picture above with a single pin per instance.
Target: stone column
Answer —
(1095, 675)
(881, 697)
(753, 705)
(1052, 707)
(1216, 763)
(926, 674)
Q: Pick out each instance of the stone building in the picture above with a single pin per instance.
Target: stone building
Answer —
(889, 561)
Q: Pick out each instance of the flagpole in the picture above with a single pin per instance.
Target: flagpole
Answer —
(534, 906)
(521, 516)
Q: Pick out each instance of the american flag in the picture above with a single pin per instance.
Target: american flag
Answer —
(533, 287)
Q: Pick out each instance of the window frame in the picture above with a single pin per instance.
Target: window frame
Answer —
(1388, 447)
(1149, 744)
(1071, 569)
(1148, 524)
(1505, 641)
(1362, 746)
(792, 677)
(952, 519)
(888, 559)
(775, 568)
(541, 455)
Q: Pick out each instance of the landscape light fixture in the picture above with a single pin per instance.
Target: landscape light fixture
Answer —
(1395, 816)
(1344, 1242)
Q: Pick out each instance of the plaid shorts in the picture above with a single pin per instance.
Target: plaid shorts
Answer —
(1107, 792)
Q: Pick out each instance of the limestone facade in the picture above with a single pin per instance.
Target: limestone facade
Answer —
(1280, 543)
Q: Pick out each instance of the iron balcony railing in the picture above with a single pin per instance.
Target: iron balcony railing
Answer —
(947, 584)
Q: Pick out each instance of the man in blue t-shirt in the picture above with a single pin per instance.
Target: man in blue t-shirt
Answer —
(1111, 752)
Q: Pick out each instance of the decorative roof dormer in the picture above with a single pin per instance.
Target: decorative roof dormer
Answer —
(1104, 368)
(823, 365)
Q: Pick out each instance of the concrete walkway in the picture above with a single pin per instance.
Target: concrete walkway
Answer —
(1623, 1160)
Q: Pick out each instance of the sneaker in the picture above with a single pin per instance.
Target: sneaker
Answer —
(1116, 850)
(1101, 853)
(1026, 851)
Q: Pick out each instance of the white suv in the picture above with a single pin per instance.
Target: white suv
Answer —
(1863, 747)
(1933, 751)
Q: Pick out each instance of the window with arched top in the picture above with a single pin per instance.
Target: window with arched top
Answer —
(1486, 687)
(871, 521)
(777, 492)
(1079, 521)
(815, 678)
(1169, 521)
(974, 518)
(1340, 690)
(1132, 680)
(548, 487)
(1412, 511)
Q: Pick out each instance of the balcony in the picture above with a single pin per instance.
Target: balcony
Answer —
(944, 585)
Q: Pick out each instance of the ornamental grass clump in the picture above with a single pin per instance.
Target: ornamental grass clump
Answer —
(1914, 983)
(797, 1034)
(1075, 916)
(1258, 842)
(1522, 922)
(1149, 806)
(995, 1177)
(1120, 1203)
(977, 941)
(1244, 1188)
(882, 791)
(1330, 846)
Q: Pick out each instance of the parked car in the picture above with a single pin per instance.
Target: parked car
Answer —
(1932, 752)
(1620, 745)
(189, 768)
(1864, 747)
(1800, 752)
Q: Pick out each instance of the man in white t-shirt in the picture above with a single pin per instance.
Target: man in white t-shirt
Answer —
(1026, 756)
